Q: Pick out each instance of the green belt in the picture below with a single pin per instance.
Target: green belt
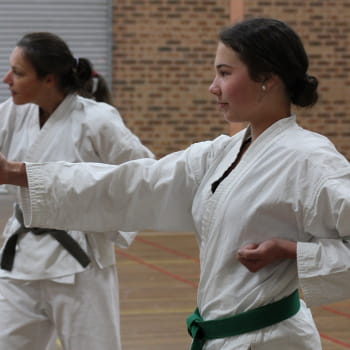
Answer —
(244, 322)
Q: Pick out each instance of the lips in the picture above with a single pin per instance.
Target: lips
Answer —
(222, 105)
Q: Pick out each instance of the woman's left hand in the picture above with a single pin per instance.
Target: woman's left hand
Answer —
(256, 256)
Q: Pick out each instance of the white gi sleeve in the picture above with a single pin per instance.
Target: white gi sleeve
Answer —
(324, 263)
(136, 195)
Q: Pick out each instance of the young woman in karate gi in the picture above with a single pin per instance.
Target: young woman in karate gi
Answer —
(50, 287)
(272, 180)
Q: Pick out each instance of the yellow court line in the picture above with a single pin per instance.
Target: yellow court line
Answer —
(156, 312)
(157, 261)
(165, 234)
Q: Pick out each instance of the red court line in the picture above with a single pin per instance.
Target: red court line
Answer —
(336, 341)
(157, 268)
(340, 313)
(162, 247)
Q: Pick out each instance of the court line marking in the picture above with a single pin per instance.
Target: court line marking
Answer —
(336, 341)
(157, 312)
(334, 311)
(157, 268)
(165, 248)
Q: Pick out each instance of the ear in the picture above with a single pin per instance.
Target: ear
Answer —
(50, 80)
(271, 81)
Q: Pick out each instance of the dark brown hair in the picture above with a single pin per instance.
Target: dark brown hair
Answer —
(268, 46)
(49, 54)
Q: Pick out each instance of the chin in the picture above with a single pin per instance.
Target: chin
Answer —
(234, 118)
(231, 119)
(19, 101)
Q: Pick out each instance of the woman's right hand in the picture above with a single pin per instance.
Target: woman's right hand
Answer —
(3, 169)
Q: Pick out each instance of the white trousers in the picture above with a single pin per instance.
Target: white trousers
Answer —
(84, 314)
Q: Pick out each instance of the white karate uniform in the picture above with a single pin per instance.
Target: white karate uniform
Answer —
(47, 278)
(324, 270)
(290, 183)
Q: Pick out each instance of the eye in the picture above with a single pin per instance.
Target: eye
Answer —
(17, 73)
(223, 73)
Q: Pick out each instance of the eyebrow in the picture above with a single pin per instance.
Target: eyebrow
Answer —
(218, 66)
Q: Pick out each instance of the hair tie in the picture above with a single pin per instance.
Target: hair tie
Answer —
(94, 84)
(75, 64)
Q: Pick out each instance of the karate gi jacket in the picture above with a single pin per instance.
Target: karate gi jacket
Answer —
(290, 183)
(79, 130)
(324, 270)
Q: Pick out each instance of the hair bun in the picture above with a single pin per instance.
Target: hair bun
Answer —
(305, 91)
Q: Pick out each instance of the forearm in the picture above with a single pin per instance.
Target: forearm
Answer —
(288, 249)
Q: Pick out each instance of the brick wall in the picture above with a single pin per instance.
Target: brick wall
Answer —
(163, 64)
(162, 67)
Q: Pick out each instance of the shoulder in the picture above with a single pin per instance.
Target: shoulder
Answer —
(220, 143)
(200, 156)
(307, 139)
(99, 115)
(92, 108)
(212, 148)
(313, 152)
(309, 143)
(105, 126)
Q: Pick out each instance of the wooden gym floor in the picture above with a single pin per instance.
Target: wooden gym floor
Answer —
(158, 278)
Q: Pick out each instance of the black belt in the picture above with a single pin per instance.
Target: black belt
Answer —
(61, 236)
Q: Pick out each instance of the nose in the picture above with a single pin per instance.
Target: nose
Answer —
(7, 78)
(214, 89)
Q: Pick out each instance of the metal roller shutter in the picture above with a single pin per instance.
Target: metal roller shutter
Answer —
(85, 25)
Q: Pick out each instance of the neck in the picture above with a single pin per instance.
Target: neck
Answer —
(257, 130)
(269, 117)
(48, 107)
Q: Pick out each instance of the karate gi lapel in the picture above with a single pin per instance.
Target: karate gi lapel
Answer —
(45, 140)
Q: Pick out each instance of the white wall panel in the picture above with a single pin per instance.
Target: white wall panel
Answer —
(84, 24)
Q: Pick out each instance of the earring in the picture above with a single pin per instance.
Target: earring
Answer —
(263, 87)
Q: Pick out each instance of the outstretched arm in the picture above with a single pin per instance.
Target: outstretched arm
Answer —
(256, 256)
(12, 173)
